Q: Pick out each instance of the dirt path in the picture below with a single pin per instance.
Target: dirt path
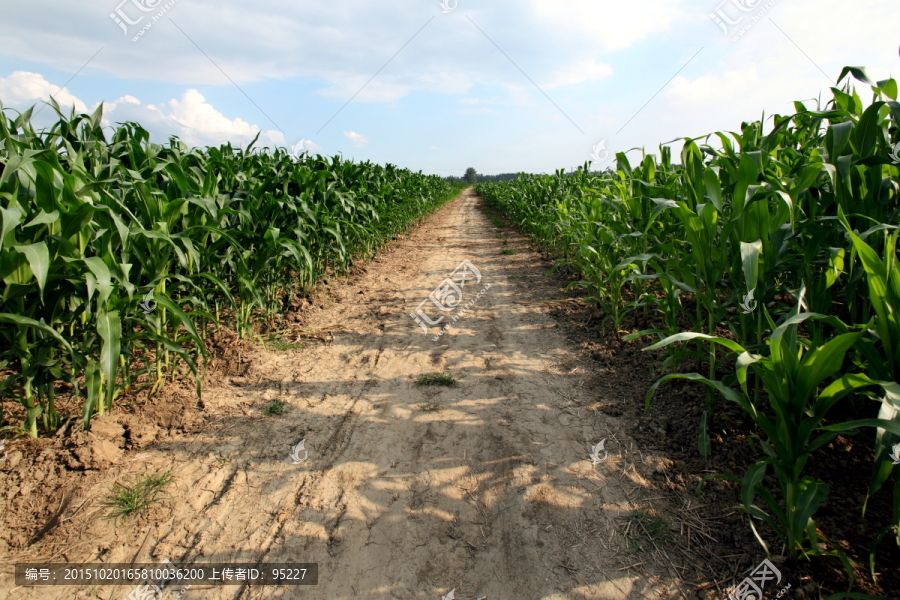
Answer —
(492, 494)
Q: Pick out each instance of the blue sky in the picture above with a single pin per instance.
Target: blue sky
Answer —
(502, 86)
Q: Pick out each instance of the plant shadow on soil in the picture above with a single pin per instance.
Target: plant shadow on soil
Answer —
(43, 501)
(52, 483)
(115, 436)
(670, 428)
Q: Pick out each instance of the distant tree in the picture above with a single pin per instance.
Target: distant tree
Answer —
(471, 176)
(482, 178)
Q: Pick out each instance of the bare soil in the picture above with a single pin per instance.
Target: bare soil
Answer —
(484, 487)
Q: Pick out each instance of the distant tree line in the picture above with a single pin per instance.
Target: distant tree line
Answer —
(453, 179)
(500, 177)
(472, 177)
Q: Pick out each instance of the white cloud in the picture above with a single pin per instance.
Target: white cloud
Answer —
(767, 71)
(307, 145)
(520, 95)
(108, 107)
(356, 139)
(340, 51)
(201, 123)
(612, 25)
(129, 99)
(744, 86)
(191, 118)
(362, 88)
(23, 89)
(303, 61)
(580, 71)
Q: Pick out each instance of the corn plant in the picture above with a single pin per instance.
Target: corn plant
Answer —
(792, 426)
(743, 230)
(882, 349)
(94, 229)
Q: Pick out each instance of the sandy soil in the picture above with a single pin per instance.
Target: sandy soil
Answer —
(492, 494)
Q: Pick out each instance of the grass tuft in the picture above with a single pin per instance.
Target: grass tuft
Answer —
(276, 343)
(649, 526)
(494, 219)
(276, 407)
(435, 379)
(281, 346)
(128, 499)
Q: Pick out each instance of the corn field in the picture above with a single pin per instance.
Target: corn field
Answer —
(119, 255)
(782, 234)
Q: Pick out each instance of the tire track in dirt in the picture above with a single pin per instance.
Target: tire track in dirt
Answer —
(486, 495)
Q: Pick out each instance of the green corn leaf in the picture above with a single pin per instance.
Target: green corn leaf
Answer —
(892, 426)
(666, 276)
(726, 391)
(175, 349)
(742, 364)
(44, 218)
(91, 283)
(96, 116)
(26, 322)
(690, 335)
(92, 389)
(109, 327)
(703, 444)
(752, 478)
(748, 172)
(223, 287)
(822, 362)
(713, 188)
(102, 277)
(858, 72)
(645, 332)
(38, 257)
(889, 88)
(836, 139)
(77, 221)
(14, 164)
(12, 217)
(635, 259)
(163, 300)
(868, 130)
(750, 261)
(813, 493)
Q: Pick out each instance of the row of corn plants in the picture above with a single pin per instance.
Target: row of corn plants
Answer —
(119, 255)
(782, 234)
